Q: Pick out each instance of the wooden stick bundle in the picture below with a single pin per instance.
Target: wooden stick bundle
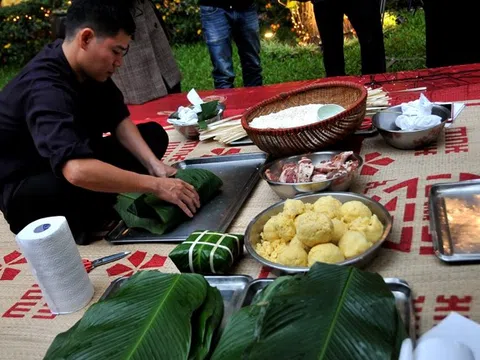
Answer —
(224, 131)
(377, 100)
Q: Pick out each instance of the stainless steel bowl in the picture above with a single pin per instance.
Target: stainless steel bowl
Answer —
(191, 132)
(290, 190)
(254, 229)
(384, 121)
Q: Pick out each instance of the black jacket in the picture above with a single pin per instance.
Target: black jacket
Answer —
(48, 117)
(235, 4)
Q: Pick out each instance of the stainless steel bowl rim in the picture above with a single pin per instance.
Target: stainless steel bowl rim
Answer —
(183, 126)
(197, 125)
(411, 131)
(386, 231)
(403, 131)
(269, 165)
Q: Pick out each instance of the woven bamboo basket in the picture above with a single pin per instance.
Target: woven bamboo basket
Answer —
(313, 137)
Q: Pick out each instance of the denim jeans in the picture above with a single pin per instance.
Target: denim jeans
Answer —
(220, 26)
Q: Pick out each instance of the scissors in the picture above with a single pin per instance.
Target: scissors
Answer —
(90, 265)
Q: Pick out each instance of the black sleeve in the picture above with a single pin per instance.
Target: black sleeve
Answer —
(50, 119)
(114, 104)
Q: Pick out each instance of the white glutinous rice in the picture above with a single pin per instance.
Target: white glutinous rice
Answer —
(288, 118)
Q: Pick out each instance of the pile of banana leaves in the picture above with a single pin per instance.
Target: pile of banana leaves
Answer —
(331, 312)
(152, 316)
(146, 211)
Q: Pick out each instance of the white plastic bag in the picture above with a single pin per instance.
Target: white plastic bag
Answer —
(417, 115)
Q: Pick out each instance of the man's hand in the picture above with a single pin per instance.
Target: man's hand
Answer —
(95, 175)
(158, 169)
(180, 193)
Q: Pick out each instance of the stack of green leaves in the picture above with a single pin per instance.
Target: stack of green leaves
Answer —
(332, 312)
(146, 211)
(209, 110)
(151, 316)
(207, 252)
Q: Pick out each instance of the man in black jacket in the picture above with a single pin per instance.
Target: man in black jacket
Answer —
(223, 20)
(54, 115)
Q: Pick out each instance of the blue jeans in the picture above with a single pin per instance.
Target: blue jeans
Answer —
(219, 27)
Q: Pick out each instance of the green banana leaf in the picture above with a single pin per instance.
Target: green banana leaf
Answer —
(332, 312)
(209, 110)
(205, 321)
(149, 317)
(141, 221)
(205, 182)
(146, 211)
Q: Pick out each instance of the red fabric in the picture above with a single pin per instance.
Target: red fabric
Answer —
(453, 83)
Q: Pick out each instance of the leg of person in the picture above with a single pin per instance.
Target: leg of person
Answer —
(448, 31)
(112, 152)
(465, 25)
(43, 195)
(438, 36)
(217, 34)
(367, 22)
(246, 34)
(329, 18)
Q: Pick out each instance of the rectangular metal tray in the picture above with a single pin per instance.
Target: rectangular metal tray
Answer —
(239, 174)
(243, 141)
(454, 213)
(366, 128)
(400, 289)
(231, 288)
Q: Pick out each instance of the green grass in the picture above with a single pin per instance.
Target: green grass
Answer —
(6, 73)
(404, 47)
(280, 63)
(406, 43)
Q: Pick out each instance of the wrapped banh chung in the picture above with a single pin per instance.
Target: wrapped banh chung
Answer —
(148, 212)
(207, 252)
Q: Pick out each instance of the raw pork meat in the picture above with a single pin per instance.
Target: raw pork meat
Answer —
(304, 171)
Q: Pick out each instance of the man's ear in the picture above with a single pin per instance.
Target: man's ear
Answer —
(85, 37)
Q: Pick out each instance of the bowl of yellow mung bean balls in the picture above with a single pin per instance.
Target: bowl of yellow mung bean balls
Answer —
(336, 228)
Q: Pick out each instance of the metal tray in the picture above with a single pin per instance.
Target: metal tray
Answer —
(243, 141)
(400, 289)
(366, 129)
(239, 174)
(454, 210)
(231, 288)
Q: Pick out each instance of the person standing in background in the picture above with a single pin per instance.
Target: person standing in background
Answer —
(364, 15)
(223, 20)
(149, 69)
(450, 31)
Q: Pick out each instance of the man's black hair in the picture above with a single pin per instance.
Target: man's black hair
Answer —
(105, 17)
